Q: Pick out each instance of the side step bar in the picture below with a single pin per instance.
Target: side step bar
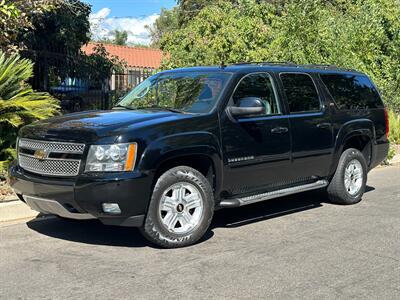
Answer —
(227, 203)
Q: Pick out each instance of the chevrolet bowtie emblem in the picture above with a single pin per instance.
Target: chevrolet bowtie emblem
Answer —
(41, 154)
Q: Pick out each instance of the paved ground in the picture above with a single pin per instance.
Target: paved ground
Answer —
(290, 248)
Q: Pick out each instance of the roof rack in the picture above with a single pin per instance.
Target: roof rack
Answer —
(328, 67)
(324, 66)
(294, 65)
(264, 63)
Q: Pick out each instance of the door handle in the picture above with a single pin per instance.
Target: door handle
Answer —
(279, 130)
(324, 125)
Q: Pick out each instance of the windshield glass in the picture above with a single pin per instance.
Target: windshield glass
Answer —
(193, 92)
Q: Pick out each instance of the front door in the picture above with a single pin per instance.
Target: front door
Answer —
(256, 148)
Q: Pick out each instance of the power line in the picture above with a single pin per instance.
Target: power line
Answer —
(125, 17)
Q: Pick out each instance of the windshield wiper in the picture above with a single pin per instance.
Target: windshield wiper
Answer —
(122, 106)
(151, 107)
(163, 108)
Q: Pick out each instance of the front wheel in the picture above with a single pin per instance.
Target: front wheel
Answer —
(348, 183)
(180, 210)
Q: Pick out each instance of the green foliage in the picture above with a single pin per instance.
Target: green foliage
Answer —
(394, 127)
(360, 34)
(165, 23)
(391, 154)
(99, 66)
(19, 104)
(16, 16)
(120, 37)
(56, 39)
(220, 33)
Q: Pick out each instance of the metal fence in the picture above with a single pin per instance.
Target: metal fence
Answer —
(71, 80)
(122, 83)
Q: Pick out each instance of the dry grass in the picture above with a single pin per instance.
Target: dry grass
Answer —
(394, 127)
(6, 192)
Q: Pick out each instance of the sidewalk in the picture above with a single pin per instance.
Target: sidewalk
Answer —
(15, 210)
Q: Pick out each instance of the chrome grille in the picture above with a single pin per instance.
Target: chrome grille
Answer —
(57, 147)
(48, 165)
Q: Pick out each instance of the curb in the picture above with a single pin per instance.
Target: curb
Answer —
(15, 210)
(395, 160)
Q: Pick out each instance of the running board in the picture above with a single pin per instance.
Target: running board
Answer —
(274, 194)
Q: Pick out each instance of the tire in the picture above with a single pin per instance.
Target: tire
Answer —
(346, 187)
(180, 210)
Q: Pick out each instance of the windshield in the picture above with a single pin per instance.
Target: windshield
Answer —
(193, 92)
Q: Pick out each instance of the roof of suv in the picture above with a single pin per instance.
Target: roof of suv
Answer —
(271, 66)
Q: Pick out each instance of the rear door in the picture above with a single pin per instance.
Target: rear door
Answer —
(311, 128)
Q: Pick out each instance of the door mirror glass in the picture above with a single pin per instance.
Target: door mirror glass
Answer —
(247, 106)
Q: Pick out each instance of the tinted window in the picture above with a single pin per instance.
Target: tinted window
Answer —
(194, 92)
(258, 85)
(300, 92)
(352, 91)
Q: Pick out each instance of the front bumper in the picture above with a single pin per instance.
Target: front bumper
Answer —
(53, 207)
(82, 197)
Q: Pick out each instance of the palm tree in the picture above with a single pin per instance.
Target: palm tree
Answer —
(19, 103)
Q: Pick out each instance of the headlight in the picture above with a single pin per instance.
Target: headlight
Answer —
(111, 158)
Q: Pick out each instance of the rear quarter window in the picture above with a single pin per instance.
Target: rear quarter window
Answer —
(352, 91)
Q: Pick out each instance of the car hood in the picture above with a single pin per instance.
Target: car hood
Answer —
(92, 125)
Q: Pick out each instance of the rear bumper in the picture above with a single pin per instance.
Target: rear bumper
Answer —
(82, 197)
(379, 154)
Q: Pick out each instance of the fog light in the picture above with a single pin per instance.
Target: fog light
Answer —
(111, 208)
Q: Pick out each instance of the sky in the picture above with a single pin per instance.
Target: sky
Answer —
(129, 15)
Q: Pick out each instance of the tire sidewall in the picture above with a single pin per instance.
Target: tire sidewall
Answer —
(153, 227)
(346, 158)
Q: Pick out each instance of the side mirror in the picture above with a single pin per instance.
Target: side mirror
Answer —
(247, 106)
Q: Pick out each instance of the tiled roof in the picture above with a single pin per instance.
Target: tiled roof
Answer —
(134, 56)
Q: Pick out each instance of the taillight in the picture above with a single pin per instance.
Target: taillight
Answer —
(387, 123)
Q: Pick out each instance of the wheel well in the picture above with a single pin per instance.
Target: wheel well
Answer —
(361, 143)
(201, 163)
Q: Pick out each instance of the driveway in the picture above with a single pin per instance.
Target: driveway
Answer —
(288, 248)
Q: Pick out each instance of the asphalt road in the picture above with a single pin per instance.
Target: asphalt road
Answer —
(288, 248)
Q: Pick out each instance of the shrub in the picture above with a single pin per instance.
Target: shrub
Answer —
(394, 127)
(19, 104)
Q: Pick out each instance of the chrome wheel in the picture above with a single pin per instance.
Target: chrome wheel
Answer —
(353, 177)
(181, 208)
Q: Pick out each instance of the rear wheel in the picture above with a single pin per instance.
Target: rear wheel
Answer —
(348, 183)
(181, 208)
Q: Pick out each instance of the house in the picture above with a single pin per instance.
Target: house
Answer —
(141, 62)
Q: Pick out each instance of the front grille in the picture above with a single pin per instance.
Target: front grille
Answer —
(52, 146)
(38, 157)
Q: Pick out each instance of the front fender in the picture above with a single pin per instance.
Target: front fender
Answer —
(182, 144)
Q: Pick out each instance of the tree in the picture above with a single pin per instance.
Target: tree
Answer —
(120, 37)
(53, 46)
(99, 66)
(364, 35)
(19, 104)
(165, 23)
(16, 16)
(220, 33)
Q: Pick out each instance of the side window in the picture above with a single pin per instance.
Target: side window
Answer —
(352, 91)
(300, 92)
(258, 85)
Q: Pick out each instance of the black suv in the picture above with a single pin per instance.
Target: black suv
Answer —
(188, 141)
